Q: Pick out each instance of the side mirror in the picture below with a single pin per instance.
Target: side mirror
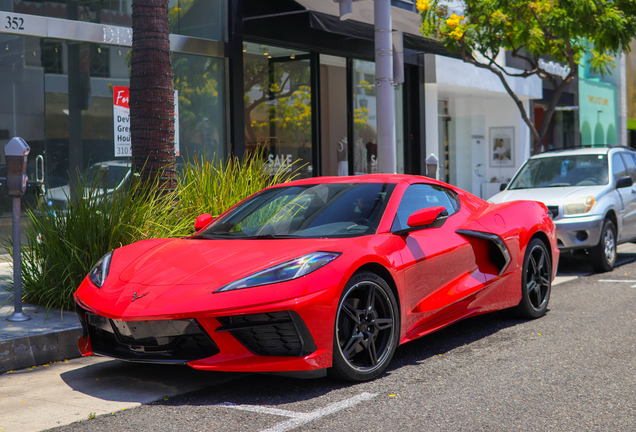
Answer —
(426, 216)
(624, 181)
(202, 221)
(502, 187)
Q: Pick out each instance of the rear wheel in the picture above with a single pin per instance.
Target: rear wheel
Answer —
(536, 281)
(367, 328)
(603, 255)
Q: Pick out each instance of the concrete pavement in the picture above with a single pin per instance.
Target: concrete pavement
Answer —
(48, 336)
(55, 394)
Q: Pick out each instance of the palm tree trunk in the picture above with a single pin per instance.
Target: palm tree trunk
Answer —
(152, 94)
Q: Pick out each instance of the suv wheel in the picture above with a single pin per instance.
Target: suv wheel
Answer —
(603, 255)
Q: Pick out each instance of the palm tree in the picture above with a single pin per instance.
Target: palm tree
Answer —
(152, 94)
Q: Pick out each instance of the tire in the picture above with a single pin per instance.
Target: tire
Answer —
(367, 329)
(603, 255)
(536, 281)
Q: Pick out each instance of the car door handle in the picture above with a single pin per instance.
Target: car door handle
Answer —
(633, 192)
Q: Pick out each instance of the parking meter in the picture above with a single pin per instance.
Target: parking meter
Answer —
(431, 166)
(16, 152)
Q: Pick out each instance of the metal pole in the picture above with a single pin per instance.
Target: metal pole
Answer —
(385, 94)
(17, 314)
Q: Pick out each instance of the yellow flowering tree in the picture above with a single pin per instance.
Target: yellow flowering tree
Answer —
(561, 30)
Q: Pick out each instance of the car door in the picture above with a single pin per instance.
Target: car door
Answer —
(434, 258)
(627, 222)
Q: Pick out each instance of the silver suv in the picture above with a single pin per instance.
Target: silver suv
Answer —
(589, 192)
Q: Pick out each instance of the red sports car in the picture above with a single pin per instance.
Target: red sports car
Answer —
(322, 274)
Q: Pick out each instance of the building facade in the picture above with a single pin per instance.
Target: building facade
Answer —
(288, 76)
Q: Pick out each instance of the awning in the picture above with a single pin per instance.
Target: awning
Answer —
(324, 15)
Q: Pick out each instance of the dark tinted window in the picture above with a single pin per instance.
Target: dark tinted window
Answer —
(419, 196)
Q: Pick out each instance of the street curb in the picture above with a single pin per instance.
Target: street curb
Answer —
(37, 349)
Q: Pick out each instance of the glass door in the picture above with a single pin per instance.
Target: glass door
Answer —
(278, 109)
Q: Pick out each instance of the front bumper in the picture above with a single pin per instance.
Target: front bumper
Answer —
(579, 232)
(289, 335)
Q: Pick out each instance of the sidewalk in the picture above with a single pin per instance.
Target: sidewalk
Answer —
(48, 336)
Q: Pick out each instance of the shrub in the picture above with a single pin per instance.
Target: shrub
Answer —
(62, 246)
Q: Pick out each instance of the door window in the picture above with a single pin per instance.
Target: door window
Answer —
(420, 196)
(631, 165)
(618, 167)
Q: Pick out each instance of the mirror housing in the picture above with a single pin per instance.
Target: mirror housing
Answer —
(426, 216)
(202, 221)
(624, 181)
(503, 187)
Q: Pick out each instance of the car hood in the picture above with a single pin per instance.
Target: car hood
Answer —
(213, 262)
(548, 196)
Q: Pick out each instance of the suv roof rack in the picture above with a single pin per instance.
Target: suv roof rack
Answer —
(589, 146)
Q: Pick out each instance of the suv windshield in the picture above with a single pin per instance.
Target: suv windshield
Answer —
(324, 210)
(559, 171)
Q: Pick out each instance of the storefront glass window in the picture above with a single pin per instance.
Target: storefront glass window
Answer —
(21, 114)
(278, 115)
(59, 96)
(199, 81)
(365, 146)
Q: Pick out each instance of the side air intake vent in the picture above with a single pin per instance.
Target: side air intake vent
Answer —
(498, 252)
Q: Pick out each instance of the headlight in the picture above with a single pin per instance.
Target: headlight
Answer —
(98, 273)
(580, 206)
(284, 272)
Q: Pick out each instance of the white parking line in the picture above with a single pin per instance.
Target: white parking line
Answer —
(619, 281)
(297, 418)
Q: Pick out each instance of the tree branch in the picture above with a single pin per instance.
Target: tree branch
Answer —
(500, 74)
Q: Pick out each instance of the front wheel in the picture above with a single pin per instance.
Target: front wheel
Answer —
(603, 255)
(367, 328)
(536, 281)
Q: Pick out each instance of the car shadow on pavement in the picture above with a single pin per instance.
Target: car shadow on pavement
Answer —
(121, 381)
(458, 335)
(577, 264)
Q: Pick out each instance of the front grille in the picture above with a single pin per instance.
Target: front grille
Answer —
(554, 211)
(171, 341)
(271, 334)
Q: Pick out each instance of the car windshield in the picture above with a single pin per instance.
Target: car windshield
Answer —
(108, 176)
(307, 211)
(561, 171)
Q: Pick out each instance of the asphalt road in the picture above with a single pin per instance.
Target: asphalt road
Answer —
(572, 370)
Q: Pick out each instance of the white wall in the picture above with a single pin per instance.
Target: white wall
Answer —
(432, 134)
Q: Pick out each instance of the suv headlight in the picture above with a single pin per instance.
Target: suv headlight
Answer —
(580, 206)
(98, 273)
(283, 272)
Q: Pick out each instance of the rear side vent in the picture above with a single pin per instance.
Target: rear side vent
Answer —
(497, 250)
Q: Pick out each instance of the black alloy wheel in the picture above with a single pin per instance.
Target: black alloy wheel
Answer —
(536, 281)
(367, 328)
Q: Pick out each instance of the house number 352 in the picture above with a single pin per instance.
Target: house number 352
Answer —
(14, 23)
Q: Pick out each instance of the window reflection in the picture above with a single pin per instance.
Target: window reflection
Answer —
(278, 113)
(365, 147)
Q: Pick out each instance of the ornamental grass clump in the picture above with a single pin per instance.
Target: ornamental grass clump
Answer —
(63, 245)
(211, 186)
